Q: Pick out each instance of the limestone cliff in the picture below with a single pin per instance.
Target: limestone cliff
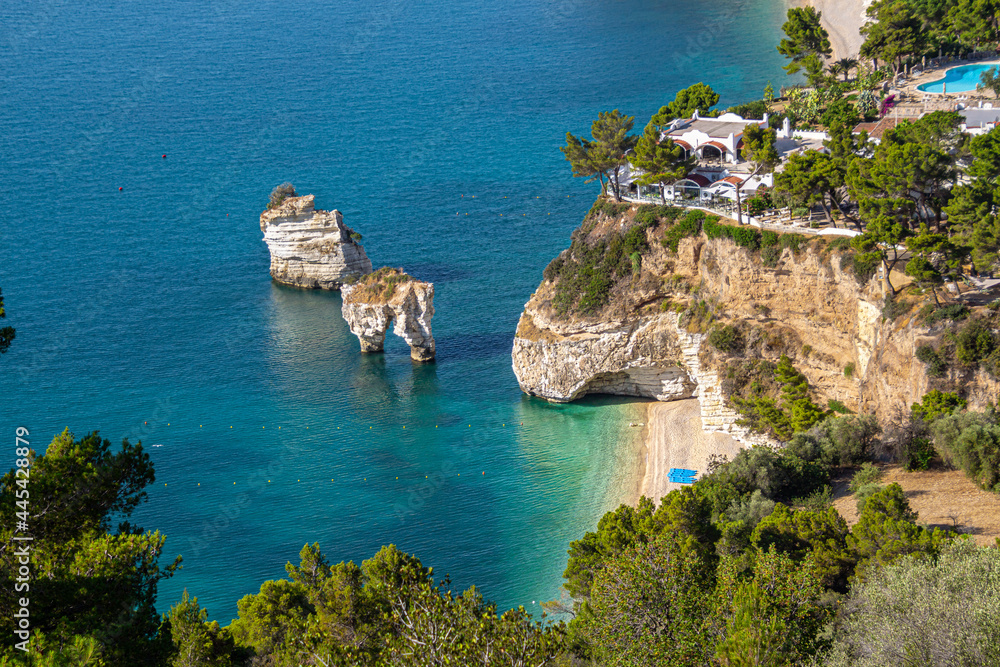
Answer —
(648, 336)
(391, 296)
(311, 248)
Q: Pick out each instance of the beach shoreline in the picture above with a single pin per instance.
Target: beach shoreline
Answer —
(673, 438)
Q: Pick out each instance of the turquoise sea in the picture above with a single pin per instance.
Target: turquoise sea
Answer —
(139, 284)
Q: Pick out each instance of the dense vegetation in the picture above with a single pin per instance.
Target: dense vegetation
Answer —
(752, 560)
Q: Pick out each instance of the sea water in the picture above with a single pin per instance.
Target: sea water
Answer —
(139, 284)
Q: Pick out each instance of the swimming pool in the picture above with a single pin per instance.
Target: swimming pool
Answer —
(957, 79)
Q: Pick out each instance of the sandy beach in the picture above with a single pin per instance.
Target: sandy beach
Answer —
(674, 439)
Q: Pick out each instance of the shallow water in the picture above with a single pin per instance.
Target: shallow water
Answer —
(434, 128)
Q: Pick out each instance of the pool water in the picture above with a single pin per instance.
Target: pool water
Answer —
(958, 79)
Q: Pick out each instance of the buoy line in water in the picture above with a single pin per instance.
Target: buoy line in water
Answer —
(406, 478)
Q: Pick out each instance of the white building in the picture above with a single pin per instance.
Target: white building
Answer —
(712, 138)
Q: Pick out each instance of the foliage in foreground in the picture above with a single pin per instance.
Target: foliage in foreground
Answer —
(926, 611)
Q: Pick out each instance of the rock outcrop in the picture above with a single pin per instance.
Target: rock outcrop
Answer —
(310, 248)
(805, 305)
(386, 297)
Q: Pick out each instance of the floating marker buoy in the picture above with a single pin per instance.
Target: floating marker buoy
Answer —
(145, 422)
(397, 478)
(279, 428)
(298, 480)
(164, 484)
(164, 156)
(199, 483)
(268, 481)
(404, 427)
(120, 189)
(200, 426)
(484, 472)
(234, 483)
(168, 423)
(230, 427)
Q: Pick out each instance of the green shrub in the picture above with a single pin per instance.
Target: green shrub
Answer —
(936, 365)
(849, 439)
(864, 492)
(279, 194)
(975, 342)
(849, 370)
(356, 237)
(892, 308)
(992, 364)
(818, 501)
(757, 205)
(743, 236)
(585, 274)
(754, 109)
(863, 265)
(971, 442)
(838, 407)
(931, 315)
(770, 255)
(649, 214)
(842, 243)
(727, 339)
(769, 238)
(793, 241)
(869, 473)
(755, 394)
(697, 317)
(807, 350)
(936, 404)
(917, 454)
(689, 225)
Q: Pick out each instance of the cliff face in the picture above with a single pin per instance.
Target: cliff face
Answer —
(311, 248)
(805, 306)
(390, 296)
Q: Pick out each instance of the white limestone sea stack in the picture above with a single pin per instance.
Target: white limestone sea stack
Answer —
(311, 248)
(391, 296)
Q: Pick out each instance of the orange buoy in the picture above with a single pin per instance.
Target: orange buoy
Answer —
(120, 189)
(164, 156)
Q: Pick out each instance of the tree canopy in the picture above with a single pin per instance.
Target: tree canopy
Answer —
(663, 161)
(601, 157)
(806, 41)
